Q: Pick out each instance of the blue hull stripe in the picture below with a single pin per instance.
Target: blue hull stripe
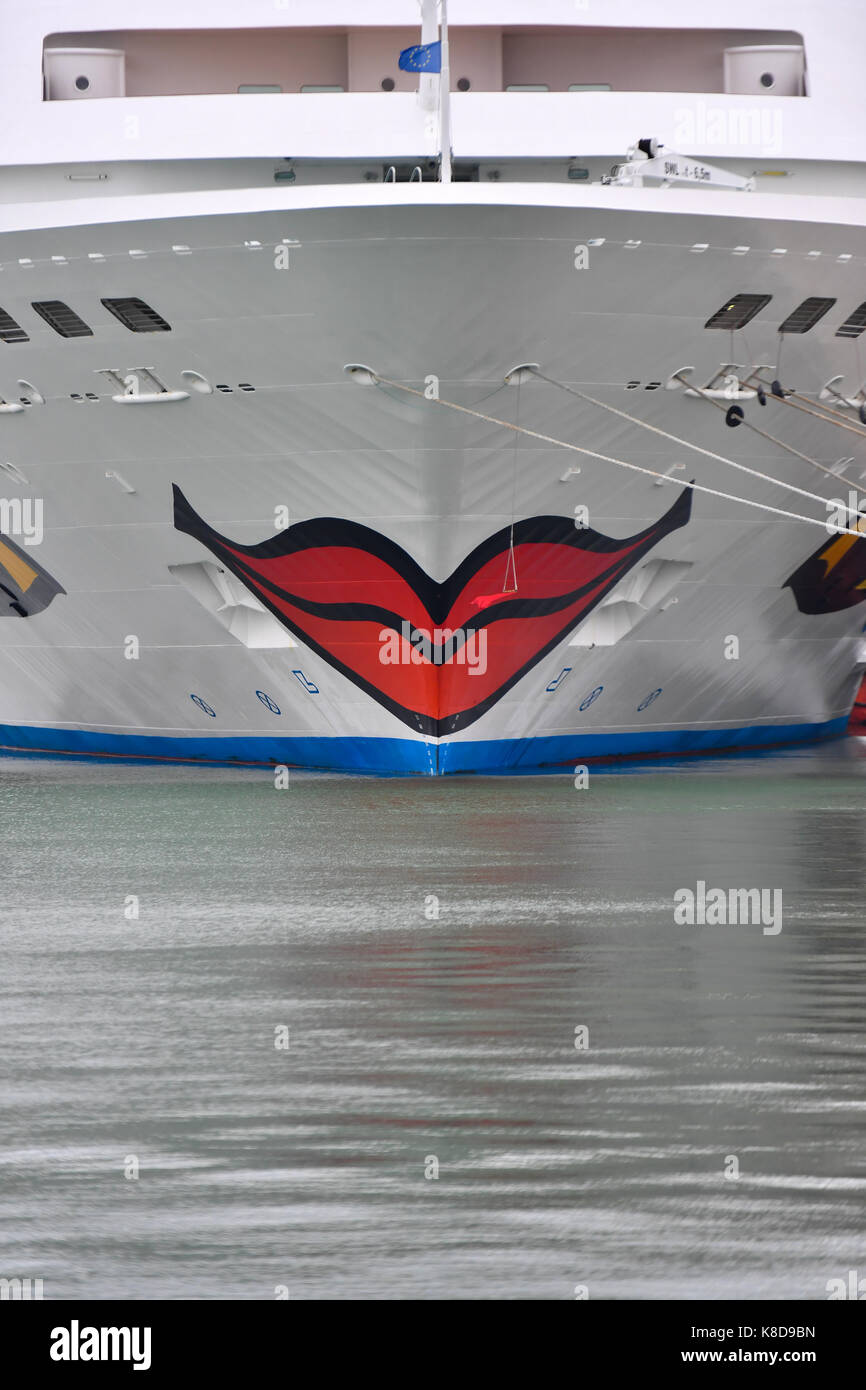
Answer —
(410, 757)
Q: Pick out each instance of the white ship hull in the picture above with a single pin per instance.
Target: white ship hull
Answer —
(274, 655)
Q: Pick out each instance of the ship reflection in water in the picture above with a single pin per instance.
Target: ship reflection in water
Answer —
(479, 979)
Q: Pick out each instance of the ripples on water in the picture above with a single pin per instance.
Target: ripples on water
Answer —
(412, 1037)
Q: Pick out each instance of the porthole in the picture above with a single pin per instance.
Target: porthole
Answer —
(767, 79)
(388, 84)
(463, 84)
(82, 83)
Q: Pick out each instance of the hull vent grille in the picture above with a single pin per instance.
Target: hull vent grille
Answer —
(10, 331)
(806, 315)
(137, 316)
(62, 319)
(854, 324)
(738, 311)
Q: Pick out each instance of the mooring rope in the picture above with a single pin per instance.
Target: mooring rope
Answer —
(620, 463)
(684, 443)
(793, 398)
(789, 448)
(832, 411)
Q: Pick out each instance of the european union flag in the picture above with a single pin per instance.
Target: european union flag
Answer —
(424, 57)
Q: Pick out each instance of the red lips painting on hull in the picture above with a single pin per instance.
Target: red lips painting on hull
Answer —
(349, 593)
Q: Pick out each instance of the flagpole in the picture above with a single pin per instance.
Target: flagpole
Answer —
(427, 88)
(444, 100)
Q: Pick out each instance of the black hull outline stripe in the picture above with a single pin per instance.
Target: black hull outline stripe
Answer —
(438, 599)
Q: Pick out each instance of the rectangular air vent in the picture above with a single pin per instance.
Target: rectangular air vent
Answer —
(62, 319)
(10, 331)
(806, 315)
(738, 311)
(854, 324)
(137, 316)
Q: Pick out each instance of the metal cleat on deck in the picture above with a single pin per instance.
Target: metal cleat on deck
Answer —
(831, 391)
(731, 382)
(140, 386)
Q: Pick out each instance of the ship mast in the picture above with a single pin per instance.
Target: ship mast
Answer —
(444, 100)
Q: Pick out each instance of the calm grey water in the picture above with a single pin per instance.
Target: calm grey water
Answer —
(413, 1038)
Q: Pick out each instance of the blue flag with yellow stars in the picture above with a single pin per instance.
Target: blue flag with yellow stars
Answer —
(424, 57)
